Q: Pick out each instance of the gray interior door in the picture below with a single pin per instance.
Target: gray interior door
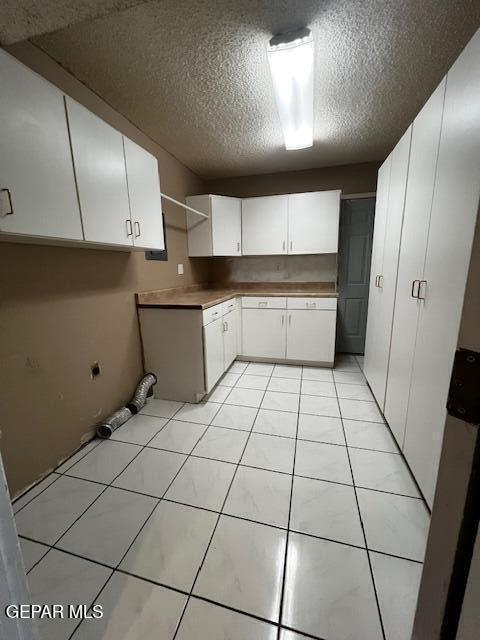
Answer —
(354, 255)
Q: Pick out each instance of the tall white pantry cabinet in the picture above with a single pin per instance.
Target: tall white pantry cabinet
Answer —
(434, 225)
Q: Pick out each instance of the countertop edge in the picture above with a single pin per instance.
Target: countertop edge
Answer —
(211, 303)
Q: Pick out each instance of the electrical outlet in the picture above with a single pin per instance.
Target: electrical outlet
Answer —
(95, 370)
(180, 269)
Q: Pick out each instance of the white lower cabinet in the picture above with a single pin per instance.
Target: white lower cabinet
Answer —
(304, 329)
(230, 330)
(214, 352)
(263, 333)
(220, 340)
(311, 335)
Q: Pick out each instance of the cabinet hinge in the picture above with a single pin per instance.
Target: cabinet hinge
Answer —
(464, 393)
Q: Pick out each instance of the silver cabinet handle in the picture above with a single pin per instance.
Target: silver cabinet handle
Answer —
(128, 223)
(283, 319)
(379, 281)
(422, 290)
(226, 326)
(214, 313)
(311, 305)
(8, 195)
(283, 246)
(262, 304)
(412, 292)
(291, 245)
(137, 229)
(289, 320)
(238, 247)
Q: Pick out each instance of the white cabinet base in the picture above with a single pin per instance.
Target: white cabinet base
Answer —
(307, 363)
(311, 335)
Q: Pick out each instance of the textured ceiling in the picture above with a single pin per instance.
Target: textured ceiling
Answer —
(193, 74)
(21, 19)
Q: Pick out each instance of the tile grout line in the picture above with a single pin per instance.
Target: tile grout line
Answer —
(262, 433)
(230, 515)
(100, 441)
(116, 568)
(287, 539)
(247, 466)
(219, 515)
(364, 534)
(278, 625)
(97, 595)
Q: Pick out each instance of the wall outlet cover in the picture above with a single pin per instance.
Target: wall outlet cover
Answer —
(180, 269)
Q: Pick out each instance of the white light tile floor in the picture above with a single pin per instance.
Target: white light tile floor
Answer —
(278, 507)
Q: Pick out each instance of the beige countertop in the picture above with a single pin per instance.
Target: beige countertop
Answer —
(197, 297)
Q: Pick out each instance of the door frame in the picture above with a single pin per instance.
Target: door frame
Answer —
(13, 579)
(353, 196)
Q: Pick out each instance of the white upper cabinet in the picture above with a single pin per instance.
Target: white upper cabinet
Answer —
(144, 195)
(265, 225)
(37, 185)
(226, 216)
(220, 234)
(101, 177)
(301, 223)
(313, 220)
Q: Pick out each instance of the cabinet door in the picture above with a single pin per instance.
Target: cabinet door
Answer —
(377, 375)
(226, 226)
(418, 204)
(311, 335)
(35, 158)
(101, 177)
(264, 225)
(144, 196)
(370, 363)
(199, 229)
(452, 224)
(213, 352)
(313, 222)
(263, 333)
(230, 329)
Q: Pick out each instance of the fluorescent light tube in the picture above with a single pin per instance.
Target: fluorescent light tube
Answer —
(291, 64)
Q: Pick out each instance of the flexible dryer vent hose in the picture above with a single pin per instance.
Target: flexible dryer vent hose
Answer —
(121, 416)
(143, 391)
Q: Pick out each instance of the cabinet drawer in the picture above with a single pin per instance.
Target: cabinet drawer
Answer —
(257, 302)
(211, 314)
(230, 305)
(312, 303)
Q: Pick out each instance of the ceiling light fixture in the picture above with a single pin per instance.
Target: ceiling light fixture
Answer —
(290, 56)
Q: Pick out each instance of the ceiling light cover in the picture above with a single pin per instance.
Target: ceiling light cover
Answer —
(291, 65)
